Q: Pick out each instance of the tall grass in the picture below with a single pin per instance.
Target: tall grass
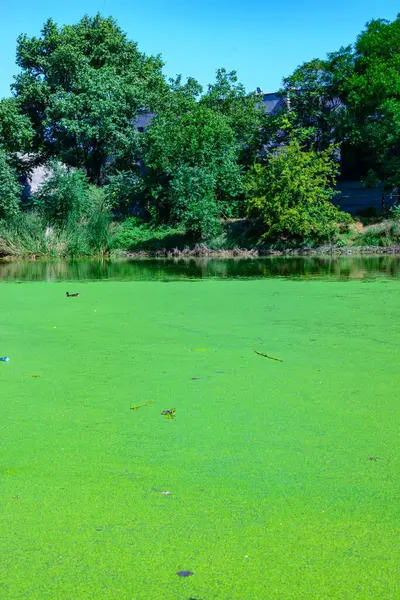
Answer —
(28, 235)
(386, 233)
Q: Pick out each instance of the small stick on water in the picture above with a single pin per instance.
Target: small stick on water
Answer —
(142, 405)
(266, 356)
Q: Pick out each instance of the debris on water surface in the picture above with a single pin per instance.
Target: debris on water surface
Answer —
(185, 573)
(169, 414)
(374, 458)
(166, 493)
(266, 356)
(5, 359)
(36, 376)
(142, 405)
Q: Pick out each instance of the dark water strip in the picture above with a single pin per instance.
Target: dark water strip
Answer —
(363, 268)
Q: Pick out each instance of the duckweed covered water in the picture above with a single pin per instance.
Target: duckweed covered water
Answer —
(262, 485)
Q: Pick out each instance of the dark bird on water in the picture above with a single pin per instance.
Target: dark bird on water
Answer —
(71, 295)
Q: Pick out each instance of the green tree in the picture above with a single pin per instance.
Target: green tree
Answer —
(193, 201)
(291, 194)
(10, 189)
(244, 112)
(83, 86)
(65, 196)
(371, 96)
(352, 97)
(16, 131)
(198, 138)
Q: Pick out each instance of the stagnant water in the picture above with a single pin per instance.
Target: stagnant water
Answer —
(324, 268)
(274, 478)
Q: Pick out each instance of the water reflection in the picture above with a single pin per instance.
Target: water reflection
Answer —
(329, 268)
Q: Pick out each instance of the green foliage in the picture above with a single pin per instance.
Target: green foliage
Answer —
(193, 201)
(243, 111)
(10, 189)
(66, 195)
(124, 190)
(199, 138)
(386, 233)
(134, 234)
(352, 98)
(28, 235)
(82, 87)
(291, 194)
(16, 130)
(371, 98)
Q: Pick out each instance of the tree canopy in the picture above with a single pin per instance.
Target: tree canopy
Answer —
(200, 155)
(82, 86)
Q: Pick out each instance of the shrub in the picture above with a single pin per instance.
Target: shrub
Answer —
(291, 194)
(123, 191)
(65, 195)
(193, 202)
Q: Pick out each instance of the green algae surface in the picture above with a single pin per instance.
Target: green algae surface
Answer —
(262, 485)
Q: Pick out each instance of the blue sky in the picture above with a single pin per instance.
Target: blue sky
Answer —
(264, 41)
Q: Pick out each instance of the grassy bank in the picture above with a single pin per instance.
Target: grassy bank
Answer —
(244, 237)
(29, 236)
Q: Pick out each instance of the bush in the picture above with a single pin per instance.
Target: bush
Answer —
(10, 189)
(65, 195)
(193, 202)
(291, 194)
(124, 191)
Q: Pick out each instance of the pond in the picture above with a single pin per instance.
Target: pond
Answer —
(151, 449)
(328, 268)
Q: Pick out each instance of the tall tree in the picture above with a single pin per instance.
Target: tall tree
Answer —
(198, 138)
(244, 112)
(83, 86)
(371, 95)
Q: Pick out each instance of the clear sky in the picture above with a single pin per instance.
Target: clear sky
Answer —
(262, 40)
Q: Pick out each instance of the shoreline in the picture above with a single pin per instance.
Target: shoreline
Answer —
(202, 251)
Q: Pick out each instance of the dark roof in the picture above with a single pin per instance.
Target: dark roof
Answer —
(273, 103)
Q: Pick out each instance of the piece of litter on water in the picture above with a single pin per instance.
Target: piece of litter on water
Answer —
(5, 359)
(185, 573)
(36, 376)
(266, 356)
(169, 414)
(142, 405)
(166, 493)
